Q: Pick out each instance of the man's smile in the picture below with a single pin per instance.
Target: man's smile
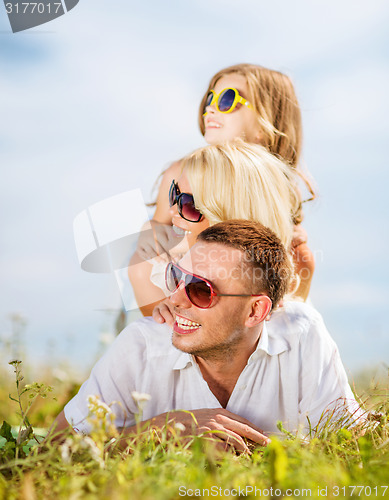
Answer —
(183, 325)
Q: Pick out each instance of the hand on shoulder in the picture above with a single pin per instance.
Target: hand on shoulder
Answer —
(164, 313)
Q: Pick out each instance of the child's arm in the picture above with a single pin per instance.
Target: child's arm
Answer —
(304, 266)
(162, 213)
(303, 261)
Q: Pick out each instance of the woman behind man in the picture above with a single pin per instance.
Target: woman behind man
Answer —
(218, 183)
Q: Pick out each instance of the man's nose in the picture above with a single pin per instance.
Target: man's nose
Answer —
(179, 298)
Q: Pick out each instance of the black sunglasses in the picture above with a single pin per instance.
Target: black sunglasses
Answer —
(185, 204)
(199, 290)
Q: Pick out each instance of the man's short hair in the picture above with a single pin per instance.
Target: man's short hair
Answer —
(263, 251)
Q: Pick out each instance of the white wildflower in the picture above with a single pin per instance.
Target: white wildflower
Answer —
(95, 404)
(92, 400)
(95, 452)
(66, 449)
(140, 397)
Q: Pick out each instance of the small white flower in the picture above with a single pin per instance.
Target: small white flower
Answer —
(140, 397)
(96, 453)
(95, 404)
(179, 426)
(92, 400)
(105, 407)
(66, 449)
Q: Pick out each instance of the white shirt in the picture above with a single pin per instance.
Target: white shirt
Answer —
(294, 372)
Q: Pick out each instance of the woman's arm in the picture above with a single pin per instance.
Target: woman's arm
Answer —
(147, 294)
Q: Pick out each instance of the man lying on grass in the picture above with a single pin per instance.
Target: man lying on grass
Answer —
(236, 373)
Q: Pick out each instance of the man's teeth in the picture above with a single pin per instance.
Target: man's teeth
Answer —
(186, 324)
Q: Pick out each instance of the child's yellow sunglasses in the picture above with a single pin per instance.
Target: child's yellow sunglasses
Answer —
(225, 101)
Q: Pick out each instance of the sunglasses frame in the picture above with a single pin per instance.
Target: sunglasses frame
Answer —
(185, 274)
(178, 200)
(215, 101)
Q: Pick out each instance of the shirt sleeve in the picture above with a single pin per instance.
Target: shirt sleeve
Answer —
(327, 399)
(112, 379)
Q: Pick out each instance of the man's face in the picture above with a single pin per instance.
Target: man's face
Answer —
(219, 330)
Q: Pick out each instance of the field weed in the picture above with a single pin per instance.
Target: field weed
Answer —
(161, 465)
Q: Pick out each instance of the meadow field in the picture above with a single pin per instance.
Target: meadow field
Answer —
(335, 463)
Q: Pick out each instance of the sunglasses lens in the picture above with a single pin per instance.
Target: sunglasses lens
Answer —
(173, 277)
(226, 100)
(208, 101)
(199, 292)
(173, 194)
(187, 208)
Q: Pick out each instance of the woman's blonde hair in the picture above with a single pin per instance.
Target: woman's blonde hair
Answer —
(244, 181)
(273, 98)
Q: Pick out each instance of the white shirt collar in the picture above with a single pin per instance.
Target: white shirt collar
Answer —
(270, 344)
(182, 361)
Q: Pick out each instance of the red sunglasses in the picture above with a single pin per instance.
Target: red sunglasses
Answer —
(199, 291)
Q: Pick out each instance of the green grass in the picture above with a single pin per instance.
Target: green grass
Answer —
(332, 465)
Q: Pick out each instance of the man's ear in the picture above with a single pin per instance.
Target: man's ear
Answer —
(260, 310)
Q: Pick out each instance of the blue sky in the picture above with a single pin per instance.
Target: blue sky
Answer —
(100, 100)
